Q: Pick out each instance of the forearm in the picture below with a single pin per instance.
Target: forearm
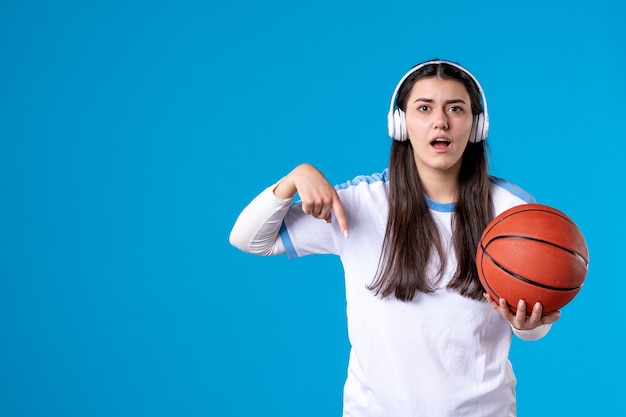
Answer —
(256, 229)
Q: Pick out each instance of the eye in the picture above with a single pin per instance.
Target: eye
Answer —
(456, 109)
(423, 108)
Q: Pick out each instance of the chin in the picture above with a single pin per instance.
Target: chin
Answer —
(447, 166)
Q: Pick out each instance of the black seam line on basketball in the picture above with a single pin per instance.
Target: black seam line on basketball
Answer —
(534, 239)
(539, 209)
(526, 280)
(497, 295)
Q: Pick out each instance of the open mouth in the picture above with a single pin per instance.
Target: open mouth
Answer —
(440, 143)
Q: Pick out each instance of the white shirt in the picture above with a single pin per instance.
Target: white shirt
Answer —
(440, 354)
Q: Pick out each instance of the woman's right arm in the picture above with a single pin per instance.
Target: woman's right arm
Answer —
(256, 229)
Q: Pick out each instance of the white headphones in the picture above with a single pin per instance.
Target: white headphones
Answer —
(396, 119)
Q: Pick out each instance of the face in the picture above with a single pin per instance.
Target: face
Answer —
(439, 122)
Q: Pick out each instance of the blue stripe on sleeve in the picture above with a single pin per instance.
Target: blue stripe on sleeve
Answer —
(284, 236)
(370, 179)
(514, 189)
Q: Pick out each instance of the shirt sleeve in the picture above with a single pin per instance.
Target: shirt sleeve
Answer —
(256, 229)
(534, 334)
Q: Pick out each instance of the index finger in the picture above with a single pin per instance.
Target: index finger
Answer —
(340, 215)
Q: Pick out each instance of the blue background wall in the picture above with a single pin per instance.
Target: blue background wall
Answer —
(133, 132)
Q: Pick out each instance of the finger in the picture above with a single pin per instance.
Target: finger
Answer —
(520, 314)
(491, 301)
(535, 316)
(306, 207)
(551, 317)
(340, 215)
(325, 213)
(504, 310)
(318, 209)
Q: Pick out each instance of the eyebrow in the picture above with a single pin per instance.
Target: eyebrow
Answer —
(430, 100)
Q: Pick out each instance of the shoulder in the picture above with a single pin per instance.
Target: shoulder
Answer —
(506, 194)
(365, 191)
(376, 180)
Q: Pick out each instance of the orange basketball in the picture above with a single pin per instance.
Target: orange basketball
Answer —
(535, 253)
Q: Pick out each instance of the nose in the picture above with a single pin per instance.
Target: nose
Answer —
(441, 120)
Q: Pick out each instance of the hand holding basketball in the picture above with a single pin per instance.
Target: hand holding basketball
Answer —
(520, 320)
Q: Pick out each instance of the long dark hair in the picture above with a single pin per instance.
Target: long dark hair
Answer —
(411, 236)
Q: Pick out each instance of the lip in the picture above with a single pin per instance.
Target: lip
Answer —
(444, 143)
(444, 137)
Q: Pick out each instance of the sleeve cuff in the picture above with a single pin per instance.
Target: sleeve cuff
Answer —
(532, 335)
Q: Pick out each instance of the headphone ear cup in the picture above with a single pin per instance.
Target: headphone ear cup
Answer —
(391, 124)
(479, 131)
(473, 135)
(485, 125)
(399, 121)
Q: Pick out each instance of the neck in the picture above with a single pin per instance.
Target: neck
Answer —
(440, 186)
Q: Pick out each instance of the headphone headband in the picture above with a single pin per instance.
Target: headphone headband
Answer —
(396, 120)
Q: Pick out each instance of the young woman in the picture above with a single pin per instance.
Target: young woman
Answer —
(425, 339)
